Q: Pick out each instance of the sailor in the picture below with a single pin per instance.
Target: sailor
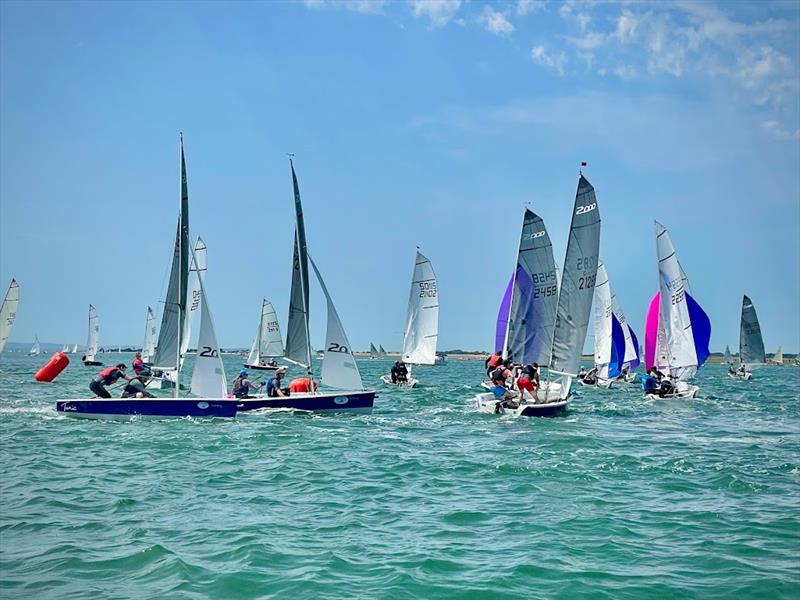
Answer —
(138, 363)
(650, 383)
(399, 372)
(526, 382)
(107, 377)
(581, 373)
(667, 387)
(492, 362)
(272, 362)
(242, 386)
(591, 376)
(742, 370)
(136, 386)
(302, 384)
(274, 389)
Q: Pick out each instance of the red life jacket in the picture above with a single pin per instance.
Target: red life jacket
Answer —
(495, 360)
(105, 376)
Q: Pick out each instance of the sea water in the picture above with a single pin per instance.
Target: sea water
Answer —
(621, 497)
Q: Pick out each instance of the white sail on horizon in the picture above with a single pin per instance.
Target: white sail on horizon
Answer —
(93, 338)
(422, 318)
(267, 341)
(149, 344)
(36, 349)
(8, 312)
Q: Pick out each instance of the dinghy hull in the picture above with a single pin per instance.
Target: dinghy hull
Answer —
(488, 403)
(361, 401)
(125, 408)
(409, 383)
(261, 367)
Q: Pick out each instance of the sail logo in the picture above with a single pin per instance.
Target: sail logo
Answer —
(534, 235)
(582, 210)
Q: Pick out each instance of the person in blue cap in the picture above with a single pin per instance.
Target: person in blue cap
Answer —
(242, 386)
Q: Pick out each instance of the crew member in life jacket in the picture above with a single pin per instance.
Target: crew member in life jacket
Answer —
(136, 387)
(399, 372)
(242, 386)
(302, 384)
(138, 364)
(106, 377)
(492, 362)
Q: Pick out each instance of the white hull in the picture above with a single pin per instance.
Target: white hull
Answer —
(409, 383)
(746, 377)
(682, 390)
(488, 403)
(603, 383)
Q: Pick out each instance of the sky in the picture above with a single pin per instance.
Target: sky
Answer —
(413, 123)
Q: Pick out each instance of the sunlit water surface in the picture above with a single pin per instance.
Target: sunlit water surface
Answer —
(425, 498)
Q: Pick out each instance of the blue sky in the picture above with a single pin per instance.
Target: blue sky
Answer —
(413, 123)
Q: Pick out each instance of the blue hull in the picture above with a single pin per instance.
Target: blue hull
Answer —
(111, 408)
(542, 410)
(356, 401)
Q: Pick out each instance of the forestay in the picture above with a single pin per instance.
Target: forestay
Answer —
(577, 282)
(208, 377)
(149, 345)
(339, 369)
(8, 312)
(751, 344)
(94, 334)
(422, 318)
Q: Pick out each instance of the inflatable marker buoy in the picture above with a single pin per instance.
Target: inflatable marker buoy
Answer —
(57, 363)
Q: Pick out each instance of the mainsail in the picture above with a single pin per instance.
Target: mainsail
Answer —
(677, 330)
(531, 297)
(74, 349)
(339, 369)
(577, 285)
(609, 336)
(208, 377)
(630, 359)
(149, 344)
(777, 358)
(751, 344)
(267, 341)
(381, 351)
(197, 273)
(373, 351)
(94, 334)
(36, 349)
(171, 332)
(298, 346)
(8, 312)
(422, 317)
(727, 358)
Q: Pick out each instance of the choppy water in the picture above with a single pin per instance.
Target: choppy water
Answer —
(424, 498)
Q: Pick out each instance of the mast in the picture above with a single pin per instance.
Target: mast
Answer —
(260, 330)
(183, 230)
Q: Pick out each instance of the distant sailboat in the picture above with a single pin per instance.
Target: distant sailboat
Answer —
(422, 321)
(373, 352)
(149, 344)
(267, 342)
(36, 349)
(74, 349)
(381, 352)
(727, 357)
(339, 369)
(93, 339)
(572, 309)
(751, 344)
(8, 312)
(777, 358)
(209, 381)
(677, 330)
(65, 349)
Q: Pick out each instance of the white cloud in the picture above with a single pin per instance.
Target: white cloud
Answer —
(775, 129)
(626, 26)
(590, 41)
(439, 12)
(526, 7)
(555, 62)
(625, 71)
(495, 21)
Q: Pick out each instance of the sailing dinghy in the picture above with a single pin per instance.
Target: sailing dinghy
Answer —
(36, 349)
(422, 321)
(267, 342)
(208, 381)
(373, 352)
(677, 330)
(573, 306)
(609, 337)
(339, 369)
(381, 351)
(751, 344)
(727, 358)
(93, 339)
(777, 358)
(8, 312)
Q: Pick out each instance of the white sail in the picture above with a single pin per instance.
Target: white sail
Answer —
(422, 319)
(727, 358)
(631, 351)
(602, 322)
(94, 334)
(197, 273)
(149, 344)
(74, 349)
(267, 341)
(777, 358)
(339, 369)
(8, 312)
(208, 378)
(36, 349)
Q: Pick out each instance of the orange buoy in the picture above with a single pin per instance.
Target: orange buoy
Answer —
(57, 363)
